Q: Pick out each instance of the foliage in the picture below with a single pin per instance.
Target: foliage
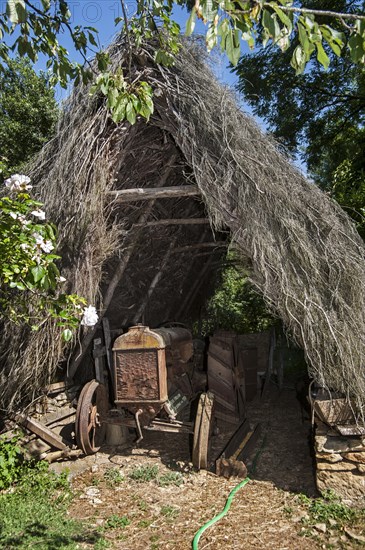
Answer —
(117, 522)
(318, 115)
(28, 263)
(113, 476)
(33, 511)
(28, 113)
(169, 511)
(329, 509)
(170, 478)
(143, 474)
(11, 460)
(236, 305)
(32, 30)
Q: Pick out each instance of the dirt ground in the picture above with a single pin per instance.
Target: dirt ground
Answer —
(168, 502)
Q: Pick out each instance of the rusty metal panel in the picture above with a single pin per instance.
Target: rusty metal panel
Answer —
(139, 337)
(140, 375)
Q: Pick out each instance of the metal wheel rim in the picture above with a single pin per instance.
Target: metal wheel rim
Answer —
(92, 407)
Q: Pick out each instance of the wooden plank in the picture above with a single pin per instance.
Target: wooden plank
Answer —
(351, 430)
(42, 431)
(226, 404)
(250, 445)
(234, 443)
(226, 356)
(225, 417)
(57, 387)
(154, 193)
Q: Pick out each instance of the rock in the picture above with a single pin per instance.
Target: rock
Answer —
(94, 468)
(329, 457)
(329, 444)
(97, 501)
(320, 527)
(61, 397)
(332, 522)
(357, 443)
(345, 484)
(354, 535)
(92, 491)
(355, 457)
(336, 466)
(361, 468)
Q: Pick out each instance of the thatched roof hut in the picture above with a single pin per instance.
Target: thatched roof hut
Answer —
(211, 178)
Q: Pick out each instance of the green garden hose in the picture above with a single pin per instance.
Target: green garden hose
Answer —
(229, 499)
(221, 514)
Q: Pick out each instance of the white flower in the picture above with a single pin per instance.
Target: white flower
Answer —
(38, 238)
(24, 246)
(13, 215)
(47, 247)
(23, 220)
(61, 279)
(18, 182)
(90, 317)
(39, 214)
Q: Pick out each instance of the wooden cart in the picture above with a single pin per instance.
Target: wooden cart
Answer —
(143, 367)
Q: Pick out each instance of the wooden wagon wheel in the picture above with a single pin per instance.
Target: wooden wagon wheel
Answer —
(202, 431)
(92, 407)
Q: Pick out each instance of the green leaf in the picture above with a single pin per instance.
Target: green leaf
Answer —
(16, 11)
(190, 24)
(284, 18)
(232, 46)
(38, 273)
(271, 24)
(67, 335)
(322, 56)
(356, 47)
(298, 60)
(113, 95)
(130, 113)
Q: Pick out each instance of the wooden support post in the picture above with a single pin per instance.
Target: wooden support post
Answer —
(270, 366)
(98, 360)
(153, 193)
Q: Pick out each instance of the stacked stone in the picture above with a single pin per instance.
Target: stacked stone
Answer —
(340, 463)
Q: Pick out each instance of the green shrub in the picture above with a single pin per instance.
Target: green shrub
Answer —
(11, 461)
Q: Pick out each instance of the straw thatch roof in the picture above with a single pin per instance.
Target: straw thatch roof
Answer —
(135, 264)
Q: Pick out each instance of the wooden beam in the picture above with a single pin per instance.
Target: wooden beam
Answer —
(42, 431)
(175, 221)
(153, 193)
(200, 245)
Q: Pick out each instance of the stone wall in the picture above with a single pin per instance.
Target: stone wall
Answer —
(340, 463)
